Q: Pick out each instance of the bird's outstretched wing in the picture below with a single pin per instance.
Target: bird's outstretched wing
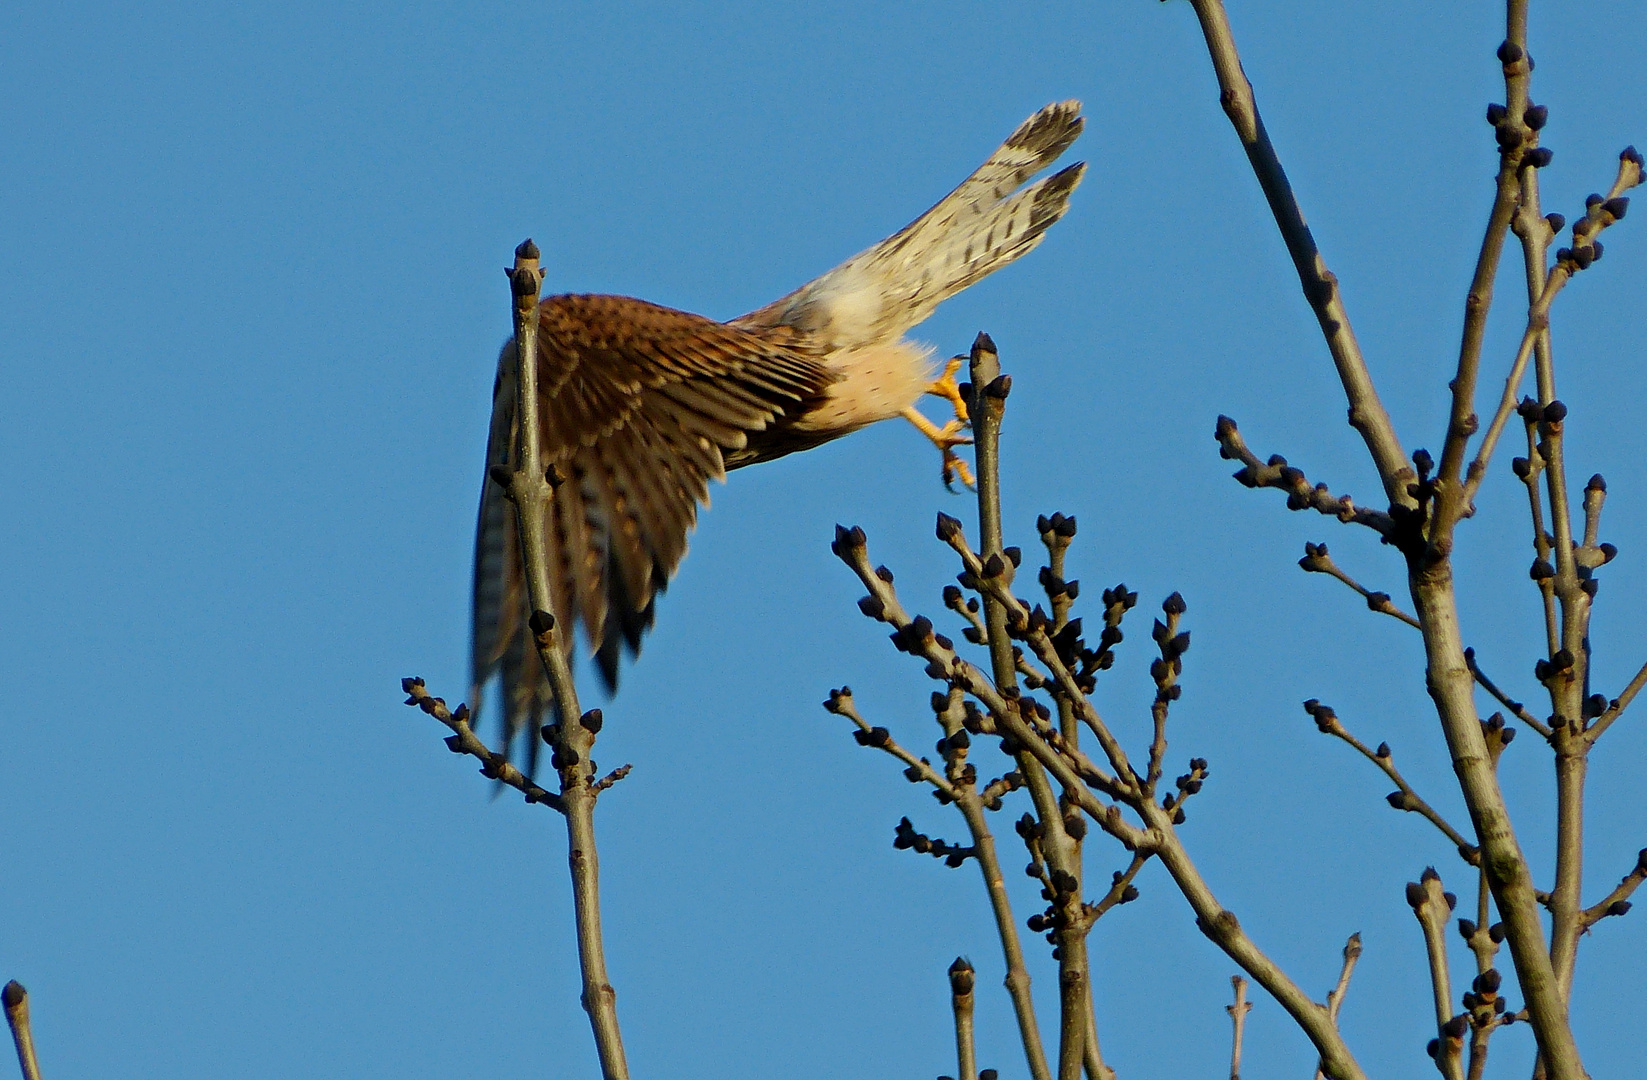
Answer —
(638, 405)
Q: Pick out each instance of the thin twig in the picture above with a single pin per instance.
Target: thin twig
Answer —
(1056, 532)
(1316, 560)
(1301, 495)
(1617, 902)
(971, 805)
(16, 1001)
(1529, 469)
(1121, 890)
(1531, 227)
(1538, 321)
(989, 392)
(611, 778)
(1616, 707)
(960, 1000)
(1567, 693)
(841, 703)
(1600, 215)
(1478, 1051)
(1477, 932)
(1517, 709)
(463, 740)
(1514, 138)
(1569, 682)
(1484, 1014)
(1327, 721)
(1335, 997)
(1238, 1018)
(1165, 672)
(1017, 977)
(1433, 906)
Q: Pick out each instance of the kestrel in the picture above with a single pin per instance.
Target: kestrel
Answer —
(643, 405)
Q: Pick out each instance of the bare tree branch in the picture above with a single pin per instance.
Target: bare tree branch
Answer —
(987, 410)
(16, 1002)
(1164, 672)
(1316, 560)
(1068, 766)
(1121, 889)
(1616, 707)
(1566, 581)
(1335, 998)
(1276, 473)
(493, 766)
(1568, 681)
(1238, 1019)
(1486, 1013)
(1516, 138)
(971, 804)
(1600, 215)
(1517, 709)
(960, 1000)
(1528, 469)
(1432, 907)
(1480, 934)
(1429, 567)
(841, 703)
(1617, 902)
(1367, 414)
(1405, 798)
(530, 488)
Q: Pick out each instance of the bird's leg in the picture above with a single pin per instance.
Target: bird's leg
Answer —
(946, 387)
(949, 436)
(945, 438)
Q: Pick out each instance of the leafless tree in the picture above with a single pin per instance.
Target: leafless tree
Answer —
(1034, 697)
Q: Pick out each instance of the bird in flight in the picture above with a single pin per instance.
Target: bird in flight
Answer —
(641, 406)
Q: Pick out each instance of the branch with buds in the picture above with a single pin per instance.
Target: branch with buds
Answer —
(1428, 500)
(1041, 726)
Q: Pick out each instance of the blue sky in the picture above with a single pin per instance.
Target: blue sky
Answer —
(249, 274)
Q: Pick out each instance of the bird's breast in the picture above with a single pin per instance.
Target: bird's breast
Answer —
(875, 382)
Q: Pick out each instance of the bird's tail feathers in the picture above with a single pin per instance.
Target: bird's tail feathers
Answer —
(1004, 232)
(985, 223)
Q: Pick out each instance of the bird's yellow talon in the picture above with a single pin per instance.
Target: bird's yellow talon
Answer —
(946, 439)
(946, 387)
(955, 467)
